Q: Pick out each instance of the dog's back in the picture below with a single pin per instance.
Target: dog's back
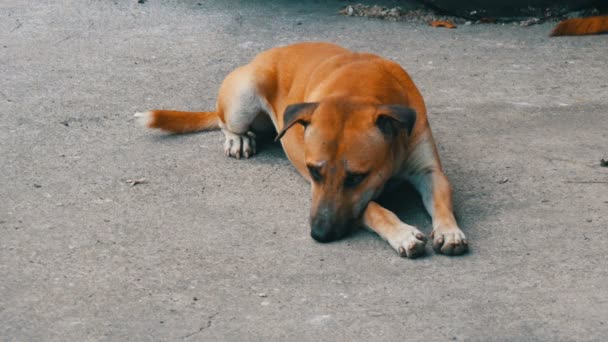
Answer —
(582, 26)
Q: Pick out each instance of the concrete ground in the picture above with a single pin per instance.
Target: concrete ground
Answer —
(212, 248)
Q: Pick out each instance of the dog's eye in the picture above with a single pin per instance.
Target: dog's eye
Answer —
(353, 179)
(315, 173)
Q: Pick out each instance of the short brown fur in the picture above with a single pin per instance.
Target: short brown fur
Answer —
(582, 26)
(342, 144)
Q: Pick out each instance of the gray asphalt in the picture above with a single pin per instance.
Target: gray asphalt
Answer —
(211, 248)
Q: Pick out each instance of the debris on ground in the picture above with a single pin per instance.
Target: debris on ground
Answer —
(428, 16)
(134, 182)
(503, 181)
(443, 23)
(421, 16)
(604, 163)
(530, 22)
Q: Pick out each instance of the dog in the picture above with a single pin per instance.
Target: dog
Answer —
(581, 26)
(350, 123)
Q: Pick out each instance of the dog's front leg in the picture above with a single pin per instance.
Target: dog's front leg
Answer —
(436, 192)
(405, 239)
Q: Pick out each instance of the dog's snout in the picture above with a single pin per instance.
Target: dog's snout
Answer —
(321, 235)
(321, 227)
(325, 227)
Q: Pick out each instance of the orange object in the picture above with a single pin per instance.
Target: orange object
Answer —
(443, 23)
(581, 26)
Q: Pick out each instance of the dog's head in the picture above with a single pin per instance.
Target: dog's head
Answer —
(349, 155)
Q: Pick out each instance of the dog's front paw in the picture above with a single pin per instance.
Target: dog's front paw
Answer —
(408, 242)
(449, 241)
(237, 145)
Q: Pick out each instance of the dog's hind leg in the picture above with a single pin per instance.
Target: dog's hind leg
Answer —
(242, 106)
(405, 239)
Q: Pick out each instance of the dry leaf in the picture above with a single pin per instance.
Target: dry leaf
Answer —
(443, 23)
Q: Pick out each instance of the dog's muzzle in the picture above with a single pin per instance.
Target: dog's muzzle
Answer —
(324, 227)
(324, 235)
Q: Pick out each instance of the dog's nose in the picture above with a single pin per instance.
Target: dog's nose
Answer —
(325, 225)
(323, 235)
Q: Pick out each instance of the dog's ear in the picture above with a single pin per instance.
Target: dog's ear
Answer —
(391, 119)
(297, 113)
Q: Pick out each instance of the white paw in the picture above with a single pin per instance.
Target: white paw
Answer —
(449, 241)
(237, 145)
(144, 118)
(408, 242)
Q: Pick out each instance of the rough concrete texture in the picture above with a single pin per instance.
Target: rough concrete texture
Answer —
(212, 248)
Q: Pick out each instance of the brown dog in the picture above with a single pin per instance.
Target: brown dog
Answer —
(349, 122)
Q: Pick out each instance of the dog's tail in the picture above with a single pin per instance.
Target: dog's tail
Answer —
(179, 122)
(581, 26)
